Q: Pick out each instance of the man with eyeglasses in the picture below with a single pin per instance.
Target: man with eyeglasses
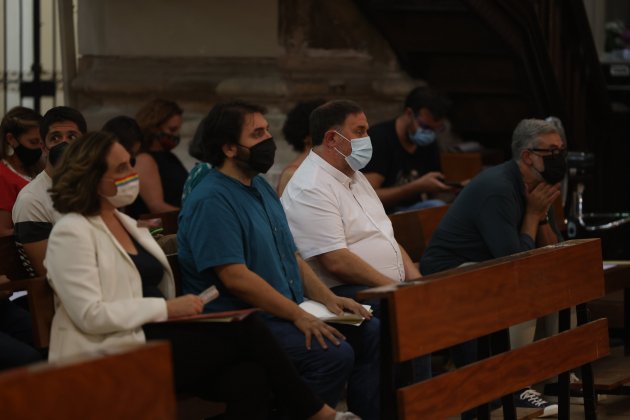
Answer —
(33, 213)
(503, 211)
(405, 166)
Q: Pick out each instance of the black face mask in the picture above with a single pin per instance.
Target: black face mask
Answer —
(55, 153)
(555, 168)
(261, 156)
(27, 156)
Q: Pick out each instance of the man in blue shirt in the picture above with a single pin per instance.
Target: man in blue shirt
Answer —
(233, 233)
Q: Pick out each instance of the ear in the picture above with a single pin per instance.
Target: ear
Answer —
(526, 157)
(329, 138)
(409, 113)
(11, 140)
(229, 150)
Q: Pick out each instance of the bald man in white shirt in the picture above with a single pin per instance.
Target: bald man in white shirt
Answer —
(336, 218)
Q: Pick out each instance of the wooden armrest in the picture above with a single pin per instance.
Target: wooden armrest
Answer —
(40, 305)
(27, 284)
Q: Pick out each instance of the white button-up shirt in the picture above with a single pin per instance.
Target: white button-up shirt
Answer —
(328, 211)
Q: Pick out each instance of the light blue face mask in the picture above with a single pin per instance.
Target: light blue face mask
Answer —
(423, 136)
(361, 152)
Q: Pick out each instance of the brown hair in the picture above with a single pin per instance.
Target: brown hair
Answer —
(17, 122)
(76, 177)
(152, 115)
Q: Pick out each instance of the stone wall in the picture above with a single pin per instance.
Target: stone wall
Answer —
(197, 52)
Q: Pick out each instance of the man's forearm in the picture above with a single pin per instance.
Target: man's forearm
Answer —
(411, 269)
(546, 236)
(349, 268)
(251, 288)
(314, 288)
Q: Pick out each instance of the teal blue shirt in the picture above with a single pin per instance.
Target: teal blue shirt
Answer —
(226, 222)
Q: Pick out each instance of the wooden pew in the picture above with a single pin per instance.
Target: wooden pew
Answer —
(40, 295)
(476, 301)
(413, 229)
(460, 166)
(613, 373)
(135, 383)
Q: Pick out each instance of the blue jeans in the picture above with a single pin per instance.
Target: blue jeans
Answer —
(355, 361)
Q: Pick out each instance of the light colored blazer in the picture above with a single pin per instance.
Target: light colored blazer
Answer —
(98, 290)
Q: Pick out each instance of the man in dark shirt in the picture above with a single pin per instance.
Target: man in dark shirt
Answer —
(503, 211)
(405, 163)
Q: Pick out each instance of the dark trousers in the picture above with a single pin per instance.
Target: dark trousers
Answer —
(355, 362)
(16, 336)
(239, 363)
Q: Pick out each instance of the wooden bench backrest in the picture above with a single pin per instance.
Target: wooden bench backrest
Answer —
(413, 229)
(461, 166)
(10, 263)
(134, 384)
(458, 305)
(40, 295)
(169, 220)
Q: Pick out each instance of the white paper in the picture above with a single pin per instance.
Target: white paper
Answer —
(320, 311)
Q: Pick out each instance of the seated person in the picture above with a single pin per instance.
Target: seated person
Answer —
(20, 159)
(296, 133)
(162, 173)
(33, 213)
(16, 334)
(114, 286)
(234, 234)
(405, 166)
(504, 211)
(201, 168)
(128, 133)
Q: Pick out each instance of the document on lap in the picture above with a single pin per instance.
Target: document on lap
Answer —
(320, 311)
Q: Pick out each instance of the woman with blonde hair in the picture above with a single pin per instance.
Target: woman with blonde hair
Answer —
(162, 173)
(114, 287)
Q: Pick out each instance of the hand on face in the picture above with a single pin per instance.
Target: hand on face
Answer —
(541, 198)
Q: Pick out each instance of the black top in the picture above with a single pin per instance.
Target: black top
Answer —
(173, 176)
(150, 269)
(483, 223)
(398, 166)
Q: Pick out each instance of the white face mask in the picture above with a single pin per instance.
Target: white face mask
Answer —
(127, 189)
(361, 152)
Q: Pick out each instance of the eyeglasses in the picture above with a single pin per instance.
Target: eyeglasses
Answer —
(553, 152)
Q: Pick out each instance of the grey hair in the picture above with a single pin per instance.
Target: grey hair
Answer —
(526, 135)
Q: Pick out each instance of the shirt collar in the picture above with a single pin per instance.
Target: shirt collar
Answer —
(327, 167)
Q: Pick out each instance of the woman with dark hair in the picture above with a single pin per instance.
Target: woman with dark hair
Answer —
(297, 134)
(162, 173)
(127, 131)
(20, 159)
(114, 286)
